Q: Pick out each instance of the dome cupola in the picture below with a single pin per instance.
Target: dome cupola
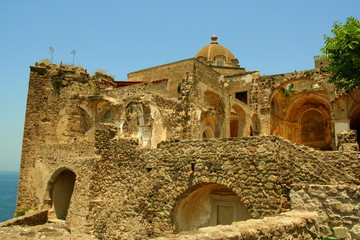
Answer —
(215, 54)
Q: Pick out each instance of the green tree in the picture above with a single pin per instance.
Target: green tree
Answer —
(343, 52)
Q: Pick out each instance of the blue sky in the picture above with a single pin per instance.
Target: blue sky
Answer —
(123, 36)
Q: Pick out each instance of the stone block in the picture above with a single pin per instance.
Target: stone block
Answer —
(341, 232)
(355, 231)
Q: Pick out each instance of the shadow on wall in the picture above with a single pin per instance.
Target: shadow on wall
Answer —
(208, 205)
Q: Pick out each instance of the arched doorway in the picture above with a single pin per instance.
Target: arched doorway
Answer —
(214, 114)
(208, 205)
(61, 193)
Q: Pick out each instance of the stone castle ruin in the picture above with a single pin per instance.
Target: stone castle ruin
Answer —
(196, 143)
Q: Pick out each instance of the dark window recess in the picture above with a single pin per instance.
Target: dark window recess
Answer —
(242, 96)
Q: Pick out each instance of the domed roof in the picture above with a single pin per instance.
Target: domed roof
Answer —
(214, 52)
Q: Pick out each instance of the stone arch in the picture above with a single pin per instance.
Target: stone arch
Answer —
(208, 132)
(208, 204)
(237, 121)
(286, 88)
(298, 105)
(60, 189)
(214, 113)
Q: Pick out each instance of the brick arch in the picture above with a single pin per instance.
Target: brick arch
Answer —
(208, 204)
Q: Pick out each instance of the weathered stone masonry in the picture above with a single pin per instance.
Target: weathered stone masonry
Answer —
(191, 144)
(146, 185)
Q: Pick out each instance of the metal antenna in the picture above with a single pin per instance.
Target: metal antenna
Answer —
(73, 52)
(51, 49)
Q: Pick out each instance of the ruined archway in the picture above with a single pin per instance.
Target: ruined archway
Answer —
(214, 114)
(61, 187)
(300, 111)
(208, 132)
(208, 205)
(138, 123)
(309, 122)
(237, 121)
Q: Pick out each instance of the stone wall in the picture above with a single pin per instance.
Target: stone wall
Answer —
(291, 225)
(54, 139)
(347, 141)
(338, 207)
(29, 219)
(136, 191)
(174, 72)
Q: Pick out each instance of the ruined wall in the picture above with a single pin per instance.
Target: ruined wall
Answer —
(228, 70)
(338, 207)
(136, 191)
(54, 138)
(174, 72)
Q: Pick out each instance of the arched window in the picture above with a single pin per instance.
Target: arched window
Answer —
(220, 63)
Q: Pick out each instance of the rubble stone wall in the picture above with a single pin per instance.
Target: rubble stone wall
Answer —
(138, 190)
(338, 207)
(30, 219)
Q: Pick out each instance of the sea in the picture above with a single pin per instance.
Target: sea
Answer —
(8, 192)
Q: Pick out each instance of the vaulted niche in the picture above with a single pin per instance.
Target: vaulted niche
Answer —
(62, 189)
(300, 111)
(312, 124)
(208, 205)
